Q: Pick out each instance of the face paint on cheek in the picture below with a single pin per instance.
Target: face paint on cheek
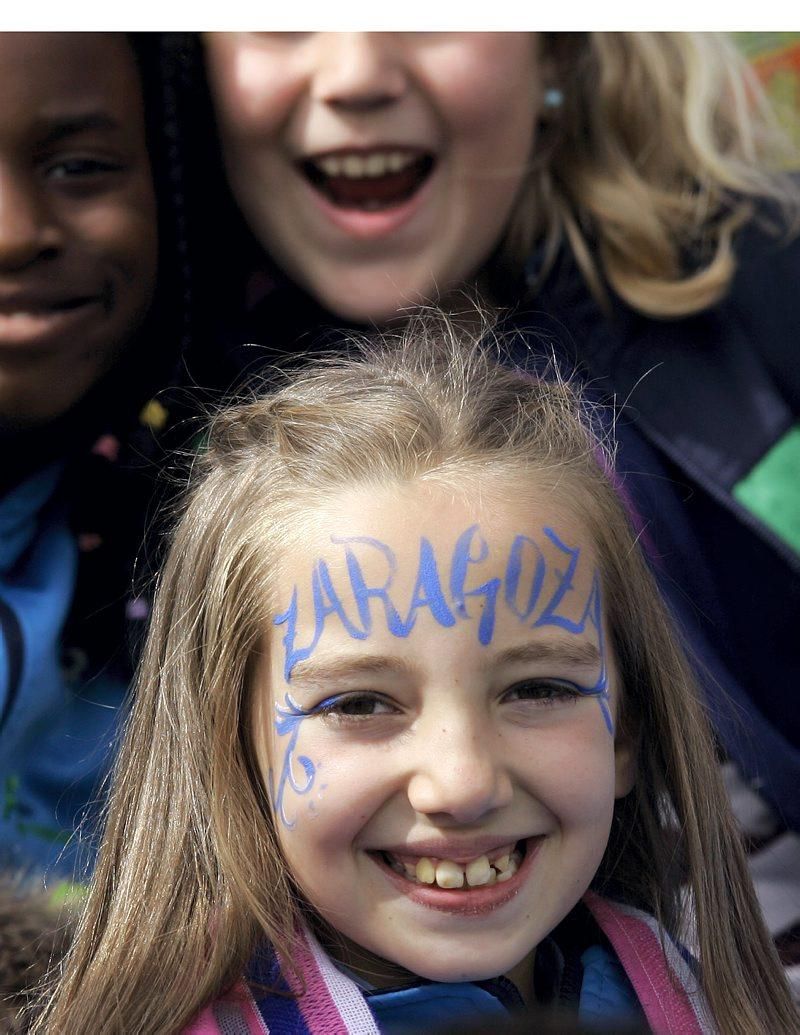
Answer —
(288, 722)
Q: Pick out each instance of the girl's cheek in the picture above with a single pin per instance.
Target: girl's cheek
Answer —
(477, 83)
(252, 90)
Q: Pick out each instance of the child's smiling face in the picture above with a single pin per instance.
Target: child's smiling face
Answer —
(462, 693)
(78, 235)
(376, 168)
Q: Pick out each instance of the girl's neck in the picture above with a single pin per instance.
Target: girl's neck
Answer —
(381, 973)
(521, 976)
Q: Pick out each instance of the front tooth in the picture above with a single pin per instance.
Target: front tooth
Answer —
(331, 166)
(449, 874)
(479, 872)
(353, 166)
(426, 872)
(396, 160)
(375, 165)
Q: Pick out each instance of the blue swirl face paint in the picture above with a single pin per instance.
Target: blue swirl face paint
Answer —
(521, 592)
(287, 723)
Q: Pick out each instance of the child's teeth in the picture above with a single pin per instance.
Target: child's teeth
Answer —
(426, 873)
(357, 166)
(353, 165)
(449, 874)
(478, 872)
(375, 165)
(331, 166)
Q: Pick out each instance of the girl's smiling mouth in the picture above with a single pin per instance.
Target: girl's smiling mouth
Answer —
(479, 885)
(368, 180)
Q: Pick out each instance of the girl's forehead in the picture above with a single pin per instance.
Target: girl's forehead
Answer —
(48, 72)
(502, 506)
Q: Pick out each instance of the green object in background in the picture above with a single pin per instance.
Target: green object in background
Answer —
(771, 490)
(69, 894)
(756, 44)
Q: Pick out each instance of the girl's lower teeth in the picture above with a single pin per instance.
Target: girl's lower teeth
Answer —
(446, 874)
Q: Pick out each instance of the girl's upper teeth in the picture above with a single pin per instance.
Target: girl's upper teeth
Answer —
(357, 166)
(448, 874)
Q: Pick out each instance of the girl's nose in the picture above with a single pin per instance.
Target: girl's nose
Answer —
(359, 71)
(26, 231)
(460, 775)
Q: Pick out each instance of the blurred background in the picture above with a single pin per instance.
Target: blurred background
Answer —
(776, 58)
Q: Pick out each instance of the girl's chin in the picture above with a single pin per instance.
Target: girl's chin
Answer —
(368, 303)
(382, 298)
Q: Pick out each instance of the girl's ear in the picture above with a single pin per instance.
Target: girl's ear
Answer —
(625, 752)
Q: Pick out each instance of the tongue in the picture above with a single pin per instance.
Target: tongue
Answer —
(380, 191)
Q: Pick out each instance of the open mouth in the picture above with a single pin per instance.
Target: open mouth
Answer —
(497, 867)
(369, 180)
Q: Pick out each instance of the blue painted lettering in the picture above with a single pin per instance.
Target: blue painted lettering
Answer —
(364, 593)
(565, 585)
(514, 573)
(428, 591)
(462, 558)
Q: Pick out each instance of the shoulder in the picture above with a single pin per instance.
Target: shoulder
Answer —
(764, 291)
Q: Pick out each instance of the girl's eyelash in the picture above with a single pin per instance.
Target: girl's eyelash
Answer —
(547, 691)
(335, 706)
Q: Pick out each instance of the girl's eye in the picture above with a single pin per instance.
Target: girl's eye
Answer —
(544, 691)
(354, 706)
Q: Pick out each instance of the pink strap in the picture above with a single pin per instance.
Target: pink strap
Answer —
(659, 986)
(234, 1013)
(332, 1004)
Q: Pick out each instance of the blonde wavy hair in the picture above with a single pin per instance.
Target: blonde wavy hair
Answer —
(664, 146)
(190, 875)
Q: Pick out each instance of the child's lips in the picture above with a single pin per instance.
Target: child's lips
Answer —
(32, 321)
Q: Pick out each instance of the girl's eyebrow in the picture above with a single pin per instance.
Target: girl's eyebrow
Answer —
(309, 673)
(582, 653)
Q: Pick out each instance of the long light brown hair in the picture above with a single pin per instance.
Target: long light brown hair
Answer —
(662, 148)
(190, 876)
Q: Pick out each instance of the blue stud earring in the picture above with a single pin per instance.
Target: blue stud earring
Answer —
(553, 98)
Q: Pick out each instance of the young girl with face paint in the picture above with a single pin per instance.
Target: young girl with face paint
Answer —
(413, 739)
